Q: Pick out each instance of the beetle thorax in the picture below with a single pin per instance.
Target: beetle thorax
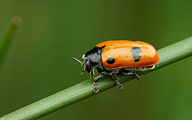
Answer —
(92, 59)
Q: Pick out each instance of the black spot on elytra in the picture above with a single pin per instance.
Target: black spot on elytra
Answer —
(110, 60)
(135, 53)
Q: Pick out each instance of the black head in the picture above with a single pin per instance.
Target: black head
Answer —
(91, 59)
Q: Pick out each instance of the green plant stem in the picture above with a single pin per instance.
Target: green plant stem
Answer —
(168, 55)
(6, 42)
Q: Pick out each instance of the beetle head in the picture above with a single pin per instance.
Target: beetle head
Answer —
(86, 63)
(91, 59)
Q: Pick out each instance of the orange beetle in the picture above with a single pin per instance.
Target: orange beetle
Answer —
(111, 57)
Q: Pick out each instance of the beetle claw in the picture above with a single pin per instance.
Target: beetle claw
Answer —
(120, 86)
(83, 71)
(96, 90)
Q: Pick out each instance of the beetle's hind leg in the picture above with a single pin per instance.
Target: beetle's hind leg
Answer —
(130, 72)
(116, 80)
(137, 76)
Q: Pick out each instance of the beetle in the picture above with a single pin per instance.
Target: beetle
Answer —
(112, 57)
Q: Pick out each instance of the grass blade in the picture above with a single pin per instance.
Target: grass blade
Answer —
(6, 42)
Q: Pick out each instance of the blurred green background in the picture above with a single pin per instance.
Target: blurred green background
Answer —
(39, 62)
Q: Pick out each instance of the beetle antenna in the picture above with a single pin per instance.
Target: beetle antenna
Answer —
(77, 60)
(83, 71)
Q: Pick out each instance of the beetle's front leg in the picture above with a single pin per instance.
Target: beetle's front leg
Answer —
(96, 90)
(92, 73)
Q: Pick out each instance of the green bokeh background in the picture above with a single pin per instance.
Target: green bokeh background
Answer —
(39, 62)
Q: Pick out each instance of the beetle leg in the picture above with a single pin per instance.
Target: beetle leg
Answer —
(92, 73)
(96, 90)
(116, 80)
(137, 76)
(129, 72)
(99, 70)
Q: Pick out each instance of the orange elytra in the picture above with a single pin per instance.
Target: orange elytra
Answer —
(128, 54)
